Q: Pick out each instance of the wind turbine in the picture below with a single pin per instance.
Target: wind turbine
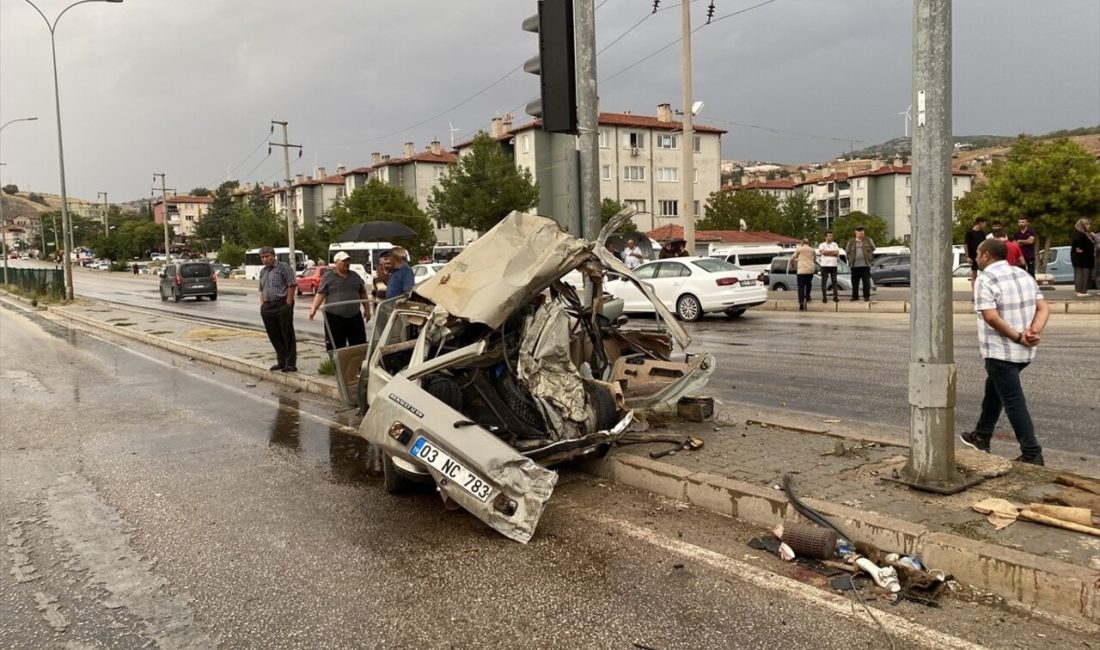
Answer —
(908, 113)
(453, 131)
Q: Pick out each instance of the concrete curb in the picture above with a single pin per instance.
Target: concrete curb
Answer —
(315, 385)
(1083, 306)
(1048, 585)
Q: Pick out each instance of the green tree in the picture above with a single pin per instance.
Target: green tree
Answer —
(874, 227)
(482, 188)
(11, 189)
(609, 208)
(725, 210)
(220, 221)
(117, 247)
(257, 202)
(37, 198)
(199, 191)
(261, 229)
(1052, 183)
(377, 201)
(799, 213)
(312, 240)
(231, 254)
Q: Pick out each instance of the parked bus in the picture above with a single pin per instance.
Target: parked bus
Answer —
(252, 263)
(442, 254)
(364, 255)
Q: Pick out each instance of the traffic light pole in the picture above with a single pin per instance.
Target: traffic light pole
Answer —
(588, 121)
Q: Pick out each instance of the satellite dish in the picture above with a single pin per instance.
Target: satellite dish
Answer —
(696, 108)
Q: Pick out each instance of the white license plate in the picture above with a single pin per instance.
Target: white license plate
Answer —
(428, 453)
(748, 283)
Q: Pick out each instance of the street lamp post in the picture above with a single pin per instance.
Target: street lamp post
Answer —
(65, 224)
(3, 228)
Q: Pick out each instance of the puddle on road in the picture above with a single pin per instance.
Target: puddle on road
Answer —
(349, 457)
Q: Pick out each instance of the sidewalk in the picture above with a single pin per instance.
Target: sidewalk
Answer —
(836, 469)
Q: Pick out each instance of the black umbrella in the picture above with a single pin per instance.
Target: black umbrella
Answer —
(375, 231)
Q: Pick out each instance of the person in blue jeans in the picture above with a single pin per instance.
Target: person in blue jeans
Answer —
(1011, 315)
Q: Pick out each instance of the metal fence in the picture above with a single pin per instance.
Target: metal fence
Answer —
(44, 282)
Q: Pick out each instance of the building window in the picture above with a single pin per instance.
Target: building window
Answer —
(603, 139)
(437, 173)
(695, 175)
(666, 141)
(667, 175)
(605, 172)
(668, 208)
(526, 143)
(908, 199)
(695, 208)
(634, 173)
(955, 181)
(439, 225)
(697, 144)
(859, 203)
(190, 217)
(908, 181)
(859, 183)
(634, 140)
(637, 204)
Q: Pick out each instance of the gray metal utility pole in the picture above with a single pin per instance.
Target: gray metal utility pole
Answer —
(106, 231)
(588, 119)
(687, 179)
(291, 215)
(931, 360)
(164, 208)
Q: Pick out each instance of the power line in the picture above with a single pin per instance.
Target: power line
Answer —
(246, 159)
(786, 132)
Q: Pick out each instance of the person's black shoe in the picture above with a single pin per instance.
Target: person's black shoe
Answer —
(1030, 460)
(824, 300)
(290, 369)
(275, 368)
(855, 300)
(972, 440)
(836, 299)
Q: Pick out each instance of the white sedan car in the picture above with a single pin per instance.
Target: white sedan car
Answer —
(422, 272)
(691, 287)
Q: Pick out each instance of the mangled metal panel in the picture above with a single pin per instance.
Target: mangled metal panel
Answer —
(504, 269)
(546, 368)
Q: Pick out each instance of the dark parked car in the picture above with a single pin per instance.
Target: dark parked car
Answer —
(890, 269)
(197, 279)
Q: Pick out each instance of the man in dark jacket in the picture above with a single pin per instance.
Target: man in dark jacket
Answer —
(860, 251)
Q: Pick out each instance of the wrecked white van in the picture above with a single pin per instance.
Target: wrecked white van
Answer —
(492, 370)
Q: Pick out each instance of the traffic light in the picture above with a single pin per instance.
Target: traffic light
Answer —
(555, 65)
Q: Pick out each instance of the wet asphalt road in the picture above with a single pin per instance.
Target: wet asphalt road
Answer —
(150, 501)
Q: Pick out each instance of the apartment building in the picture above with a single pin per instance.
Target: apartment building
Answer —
(640, 164)
(832, 194)
(886, 191)
(780, 188)
(184, 212)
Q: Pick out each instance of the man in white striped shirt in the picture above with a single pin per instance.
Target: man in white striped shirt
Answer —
(1011, 315)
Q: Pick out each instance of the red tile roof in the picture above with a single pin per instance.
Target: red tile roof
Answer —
(838, 176)
(444, 157)
(335, 179)
(887, 170)
(671, 231)
(610, 119)
(186, 199)
(777, 184)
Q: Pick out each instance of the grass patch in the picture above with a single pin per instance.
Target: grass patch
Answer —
(221, 334)
(326, 367)
(972, 529)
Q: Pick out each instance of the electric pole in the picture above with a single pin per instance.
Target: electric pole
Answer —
(688, 178)
(106, 231)
(164, 205)
(588, 118)
(931, 465)
(291, 216)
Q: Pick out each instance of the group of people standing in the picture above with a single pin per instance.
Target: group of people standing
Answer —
(859, 251)
(348, 309)
(1020, 250)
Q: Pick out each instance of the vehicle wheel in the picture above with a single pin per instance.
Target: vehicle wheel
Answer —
(163, 298)
(779, 287)
(176, 297)
(735, 313)
(392, 480)
(688, 308)
(603, 403)
(213, 296)
(445, 390)
(520, 403)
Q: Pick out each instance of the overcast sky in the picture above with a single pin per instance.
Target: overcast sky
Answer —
(189, 87)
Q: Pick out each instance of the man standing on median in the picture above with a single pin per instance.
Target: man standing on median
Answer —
(1011, 315)
(344, 321)
(277, 287)
(401, 279)
(860, 250)
(830, 253)
(803, 261)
